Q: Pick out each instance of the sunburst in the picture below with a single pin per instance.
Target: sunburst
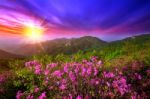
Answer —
(33, 32)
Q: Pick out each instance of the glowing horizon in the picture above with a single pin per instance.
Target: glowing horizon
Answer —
(105, 19)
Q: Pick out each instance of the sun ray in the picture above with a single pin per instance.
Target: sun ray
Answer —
(34, 32)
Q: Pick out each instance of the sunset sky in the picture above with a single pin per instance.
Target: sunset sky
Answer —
(106, 19)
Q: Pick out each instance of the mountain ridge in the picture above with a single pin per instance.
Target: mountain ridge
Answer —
(62, 45)
(68, 46)
(7, 55)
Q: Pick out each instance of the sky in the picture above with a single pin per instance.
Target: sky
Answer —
(106, 19)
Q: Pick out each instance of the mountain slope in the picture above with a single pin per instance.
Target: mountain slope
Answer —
(63, 45)
(7, 55)
(87, 43)
(140, 39)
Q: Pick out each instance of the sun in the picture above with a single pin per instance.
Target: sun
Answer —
(34, 32)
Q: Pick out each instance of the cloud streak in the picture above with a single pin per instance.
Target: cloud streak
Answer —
(62, 17)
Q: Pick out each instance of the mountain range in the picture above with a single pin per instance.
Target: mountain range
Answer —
(67, 46)
(7, 55)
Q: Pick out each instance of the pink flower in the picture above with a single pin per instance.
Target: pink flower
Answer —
(89, 71)
(120, 73)
(46, 72)
(87, 97)
(77, 69)
(70, 96)
(120, 85)
(64, 81)
(45, 82)
(72, 76)
(2, 79)
(148, 72)
(19, 95)
(57, 73)
(134, 95)
(108, 75)
(36, 89)
(64, 97)
(37, 69)
(89, 63)
(66, 68)
(29, 97)
(138, 76)
(94, 81)
(83, 71)
(94, 58)
(50, 87)
(99, 63)
(79, 97)
(42, 96)
(108, 84)
(62, 87)
(52, 65)
(32, 63)
(95, 71)
(84, 61)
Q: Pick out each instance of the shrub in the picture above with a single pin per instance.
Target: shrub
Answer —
(86, 79)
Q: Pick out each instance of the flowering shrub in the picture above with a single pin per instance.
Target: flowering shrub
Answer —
(84, 80)
(6, 85)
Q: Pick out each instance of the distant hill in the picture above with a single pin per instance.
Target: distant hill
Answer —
(137, 43)
(7, 55)
(137, 39)
(63, 45)
(69, 46)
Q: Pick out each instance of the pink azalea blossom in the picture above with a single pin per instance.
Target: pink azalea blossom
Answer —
(77, 69)
(108, 75)
(99, 63)
(70, 96)
(66, 68)
(89, 71)
(57, 73)
(46, 72)
(138, 76)
(84, 61)
(62, 87)
(121, 85)
(83, 71)
(72, 76)
(42, 96)
(95, 71)
(29, 97)
(94, 58)
(108, 84)
(52, 65)
(36, 89)
(19, 95)
(79, 97)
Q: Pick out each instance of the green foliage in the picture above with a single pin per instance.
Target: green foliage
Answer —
(44, 58)
(115, 53)
(16, 64)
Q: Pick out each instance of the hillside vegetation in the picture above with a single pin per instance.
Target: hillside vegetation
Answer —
(119, 69)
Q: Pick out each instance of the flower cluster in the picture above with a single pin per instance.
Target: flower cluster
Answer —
(84, 80)
(5, 79)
